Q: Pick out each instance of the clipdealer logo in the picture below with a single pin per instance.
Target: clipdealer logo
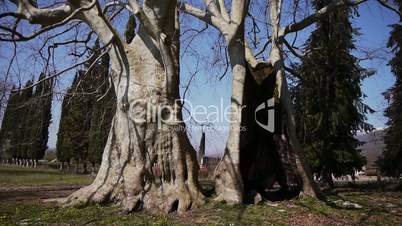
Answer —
(267, 105)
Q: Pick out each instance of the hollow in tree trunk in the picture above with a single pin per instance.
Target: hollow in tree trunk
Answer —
(255, 157)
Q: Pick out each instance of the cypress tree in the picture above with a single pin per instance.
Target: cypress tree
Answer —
(12, 123)
(63, 151)
(6, 151)
(329, 101)
(103, 111)
(77, 119)
(41, 118)
(390, 160)
(85, 121)
(22, 138)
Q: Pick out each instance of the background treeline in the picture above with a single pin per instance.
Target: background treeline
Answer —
(24, 130)
(86, 115)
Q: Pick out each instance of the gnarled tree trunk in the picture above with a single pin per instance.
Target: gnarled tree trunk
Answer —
(255, 158)
(148, 137)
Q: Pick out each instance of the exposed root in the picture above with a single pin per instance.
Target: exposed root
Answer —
(129, 180)
(166, 198)
(228, 183)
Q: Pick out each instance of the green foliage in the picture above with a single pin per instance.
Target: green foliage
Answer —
(390, 161)
(102, 114)
(63, 140)
(85, 120)
(41, 117)
(22, 138)
(17, 122)
(328, 97)
(24, 131)
(6, 132)
(75, 120)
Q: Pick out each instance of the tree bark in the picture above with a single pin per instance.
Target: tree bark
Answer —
(228, 178)
(255, 158)
(149, 133)
(309, 187)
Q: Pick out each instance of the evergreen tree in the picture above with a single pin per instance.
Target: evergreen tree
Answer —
(11, 125)
(390, 161)
(64, 143)
(6, 151)
(41, 117)
(25, 124)
(77, 121)
(22, 138)
(103, 111)
(329, 101)
(85, 121)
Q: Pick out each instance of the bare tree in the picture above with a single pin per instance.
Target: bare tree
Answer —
(147, 130)
(249, 161)
(145, 74)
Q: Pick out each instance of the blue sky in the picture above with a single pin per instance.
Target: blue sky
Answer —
(206, 89)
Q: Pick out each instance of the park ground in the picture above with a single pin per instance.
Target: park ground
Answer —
(26, 194)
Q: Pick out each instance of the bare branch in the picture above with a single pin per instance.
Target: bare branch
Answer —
(335, 4)
(263, 48)
(223, 10)
(292, 50)
(238, 10)
(227, 64)
(293, 72)
(204, 16)
(45, 17)
(52, 22)
(212, 8)
(388, 6)
(107, 49)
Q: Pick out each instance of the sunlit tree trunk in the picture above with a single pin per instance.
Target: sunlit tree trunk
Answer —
(149, 131)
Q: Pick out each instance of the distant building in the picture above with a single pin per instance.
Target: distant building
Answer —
(207, 163)
(201, 150)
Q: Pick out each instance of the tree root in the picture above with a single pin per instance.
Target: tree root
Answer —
(165, 198)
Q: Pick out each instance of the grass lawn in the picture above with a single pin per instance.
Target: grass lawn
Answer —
(374, 208)
(11, 176)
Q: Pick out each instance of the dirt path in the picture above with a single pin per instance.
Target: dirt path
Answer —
(35, 193)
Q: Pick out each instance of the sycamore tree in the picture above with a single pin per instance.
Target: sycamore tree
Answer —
(144, 71)
(254, 159)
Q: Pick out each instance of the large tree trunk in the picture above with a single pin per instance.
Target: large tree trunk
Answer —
(288, 135)
(256, 158)
(150, 133)
(228, 179)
